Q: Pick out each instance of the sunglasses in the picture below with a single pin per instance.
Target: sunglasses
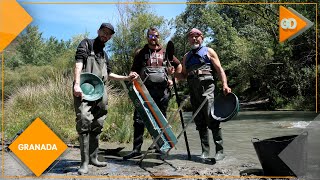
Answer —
(150, 36)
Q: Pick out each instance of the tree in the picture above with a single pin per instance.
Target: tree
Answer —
(246, 40)
(192, 17)
(31, 46)
(35, 50)
(134, 20)
(268, 68)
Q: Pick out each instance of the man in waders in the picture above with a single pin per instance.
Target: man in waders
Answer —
(151, 65)
(197, 67)
(90, 115)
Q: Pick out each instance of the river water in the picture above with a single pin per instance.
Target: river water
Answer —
(239, 132)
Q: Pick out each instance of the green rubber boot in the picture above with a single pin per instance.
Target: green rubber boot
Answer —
(204, 144)
(137, 141)
(218, 141)
(84, 150)
(94, 150)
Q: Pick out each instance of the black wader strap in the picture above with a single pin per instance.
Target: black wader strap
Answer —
(90, 46)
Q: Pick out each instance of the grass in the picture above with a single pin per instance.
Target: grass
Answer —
(51, 99)
(119, 124)
(28, 75)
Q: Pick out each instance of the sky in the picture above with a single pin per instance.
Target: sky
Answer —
(64, 21)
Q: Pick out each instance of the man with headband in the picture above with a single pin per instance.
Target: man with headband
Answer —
(197, 66)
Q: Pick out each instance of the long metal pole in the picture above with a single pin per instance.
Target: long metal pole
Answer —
(181, 117)
(169, 57)
(193, 116)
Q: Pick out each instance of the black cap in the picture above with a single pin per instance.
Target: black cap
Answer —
(107, 25)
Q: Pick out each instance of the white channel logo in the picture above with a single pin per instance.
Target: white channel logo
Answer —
(290, 23)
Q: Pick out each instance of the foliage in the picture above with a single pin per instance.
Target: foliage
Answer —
(134, 20)
(50, 99)
(257, 65)
(118, 126)
(190, 18)
(25, 65)
(39, 79)
(38, 72)
(35, 50)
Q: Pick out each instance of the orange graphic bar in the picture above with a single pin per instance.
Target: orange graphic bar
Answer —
(13, 19)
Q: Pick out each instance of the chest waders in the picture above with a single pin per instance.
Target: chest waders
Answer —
(154, 72)
(155, 78)
(201, 85)
(91, 115)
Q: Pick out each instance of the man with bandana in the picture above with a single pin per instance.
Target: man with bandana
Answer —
(197, 66)
(90, 115)
(150, 63)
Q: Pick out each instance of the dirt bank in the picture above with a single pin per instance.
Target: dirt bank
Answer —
(241, 158)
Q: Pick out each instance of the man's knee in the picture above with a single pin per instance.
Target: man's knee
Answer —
(200, 124)
(97, 125)
(201, 128)
(138, 124)
(96, 130)
(214, 125)
(81, 127)
(83, 122)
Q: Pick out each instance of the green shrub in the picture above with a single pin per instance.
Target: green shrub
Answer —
(27, 76)
(50, 99)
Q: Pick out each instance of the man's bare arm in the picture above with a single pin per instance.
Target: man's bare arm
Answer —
(77, 71)
(217, 66)
(183, 73)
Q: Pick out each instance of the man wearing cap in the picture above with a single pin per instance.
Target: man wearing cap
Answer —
(197, 66)
(90, 114)
(150, 63)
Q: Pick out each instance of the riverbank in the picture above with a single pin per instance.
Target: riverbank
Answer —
(240, 153)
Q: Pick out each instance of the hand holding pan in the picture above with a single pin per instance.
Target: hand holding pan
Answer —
(225, 107)
(92, 86)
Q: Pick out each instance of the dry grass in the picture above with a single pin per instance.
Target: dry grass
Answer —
(51, 99)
